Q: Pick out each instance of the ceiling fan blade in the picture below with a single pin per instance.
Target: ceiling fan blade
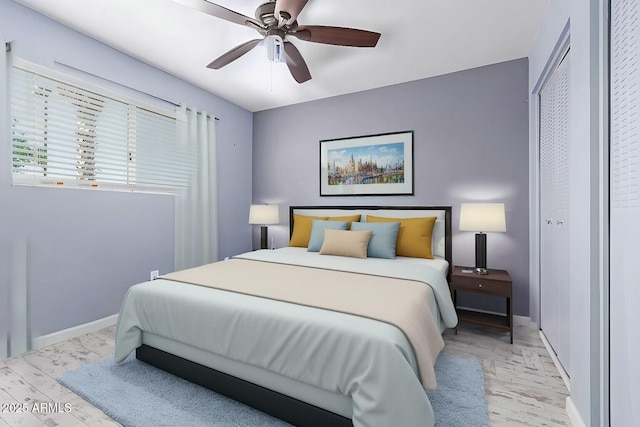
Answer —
(295, 62)
(337, 36)
(292, 7)
(217, 11)
(233, 54)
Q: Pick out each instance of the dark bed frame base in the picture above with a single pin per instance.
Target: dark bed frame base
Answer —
(273, 403)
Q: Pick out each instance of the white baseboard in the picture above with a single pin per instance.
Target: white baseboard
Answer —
(67, 334)
(563, 373)
(3, 348)
(574, 416)
(572, 411)
(517, 320)
(533, 325)
(524, 321)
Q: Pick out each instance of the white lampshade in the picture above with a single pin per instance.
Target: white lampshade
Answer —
(482, 217)
(264, 214)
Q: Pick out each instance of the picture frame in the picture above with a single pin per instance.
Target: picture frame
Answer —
(369, 165)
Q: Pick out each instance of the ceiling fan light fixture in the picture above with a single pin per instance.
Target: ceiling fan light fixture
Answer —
(275, 48)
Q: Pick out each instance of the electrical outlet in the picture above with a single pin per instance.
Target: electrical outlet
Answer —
(153, 275)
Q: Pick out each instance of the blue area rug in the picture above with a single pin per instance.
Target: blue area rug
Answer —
(459, 400)
(138, 395)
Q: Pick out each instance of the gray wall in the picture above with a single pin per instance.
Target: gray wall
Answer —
(85, 248)
(470, 144)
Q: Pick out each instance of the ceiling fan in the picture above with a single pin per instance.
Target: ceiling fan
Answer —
(275, 20)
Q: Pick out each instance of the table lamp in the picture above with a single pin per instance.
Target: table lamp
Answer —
(263, 215)
(482, 218)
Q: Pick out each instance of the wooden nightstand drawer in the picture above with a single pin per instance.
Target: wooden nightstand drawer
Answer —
(477, 283)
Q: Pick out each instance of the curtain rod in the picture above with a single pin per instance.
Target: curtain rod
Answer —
(118, 84)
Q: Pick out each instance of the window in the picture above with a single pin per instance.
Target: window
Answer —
(68, 133)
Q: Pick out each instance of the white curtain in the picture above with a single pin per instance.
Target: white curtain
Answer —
(196, 216)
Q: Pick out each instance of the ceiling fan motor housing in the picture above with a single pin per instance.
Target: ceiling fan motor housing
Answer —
(265, 14)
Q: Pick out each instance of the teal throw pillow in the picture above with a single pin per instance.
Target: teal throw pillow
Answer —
(383, 239)
(317, 232)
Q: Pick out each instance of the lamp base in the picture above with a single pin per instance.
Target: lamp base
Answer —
(481, 251)
(480, 271)
(263, 237)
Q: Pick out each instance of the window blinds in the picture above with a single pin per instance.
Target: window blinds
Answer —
(68, 133)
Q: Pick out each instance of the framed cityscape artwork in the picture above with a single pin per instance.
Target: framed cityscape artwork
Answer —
(371, 165)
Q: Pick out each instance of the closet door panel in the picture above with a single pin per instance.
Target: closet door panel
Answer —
(624, 232)
(548, 292)
(554, 210)
(561, 204)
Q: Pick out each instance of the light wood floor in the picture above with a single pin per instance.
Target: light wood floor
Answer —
(522, 385)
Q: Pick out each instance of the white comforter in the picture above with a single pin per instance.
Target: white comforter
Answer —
(369, 361)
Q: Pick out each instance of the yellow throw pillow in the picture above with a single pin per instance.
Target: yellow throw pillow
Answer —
(350, 218)
(302, 230)
(414, 236)
(345, 243)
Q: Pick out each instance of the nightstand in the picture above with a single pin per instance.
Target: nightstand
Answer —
(496, 282)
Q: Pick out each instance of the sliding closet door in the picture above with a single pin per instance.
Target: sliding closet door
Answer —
(624, 243)
(554, 210)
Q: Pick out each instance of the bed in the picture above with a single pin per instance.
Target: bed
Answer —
(257, 327)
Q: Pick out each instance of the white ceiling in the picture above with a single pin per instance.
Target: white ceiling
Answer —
(420, 38)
